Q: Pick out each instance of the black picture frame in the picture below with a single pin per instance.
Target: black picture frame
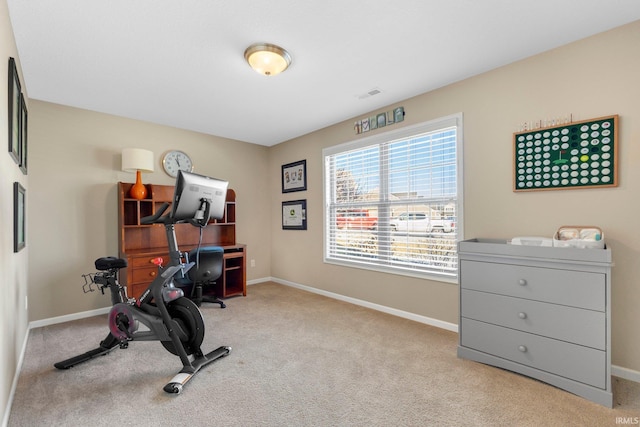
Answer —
(294, 176)
(19, 217)
(294, 215)
(14, 111)
(23, 134)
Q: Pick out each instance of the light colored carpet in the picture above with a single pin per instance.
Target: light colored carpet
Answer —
(298, 359)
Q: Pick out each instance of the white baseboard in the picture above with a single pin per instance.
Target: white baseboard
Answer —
(618, 371)
(98, 311)
(14, 384)
(400, 313)
(261, 280)
(627, 374)
(68, 317)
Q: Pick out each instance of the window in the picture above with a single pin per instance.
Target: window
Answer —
(393, 200)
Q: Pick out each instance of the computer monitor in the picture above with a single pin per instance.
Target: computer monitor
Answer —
(190, 193)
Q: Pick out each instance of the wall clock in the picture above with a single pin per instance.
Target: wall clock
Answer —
(176, 160)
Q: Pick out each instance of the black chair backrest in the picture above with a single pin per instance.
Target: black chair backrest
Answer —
(208, 266)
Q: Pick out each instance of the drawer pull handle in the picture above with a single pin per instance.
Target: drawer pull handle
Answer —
(152, 274)
(522, 348)
(522, 315)
(522, 282)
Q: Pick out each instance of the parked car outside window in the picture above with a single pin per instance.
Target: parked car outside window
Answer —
(411, 221)
(419, 222)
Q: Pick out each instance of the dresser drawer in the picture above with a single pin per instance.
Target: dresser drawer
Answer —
(144, 275)
(572, 361)
(575, 325)
(146, 261)
(567, 287)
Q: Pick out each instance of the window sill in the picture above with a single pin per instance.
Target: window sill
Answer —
(396, 271)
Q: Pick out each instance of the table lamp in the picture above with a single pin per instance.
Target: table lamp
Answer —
(137, 160)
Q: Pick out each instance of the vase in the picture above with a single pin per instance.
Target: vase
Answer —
(138, 190)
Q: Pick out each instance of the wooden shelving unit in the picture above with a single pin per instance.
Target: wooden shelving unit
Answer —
(140, 244)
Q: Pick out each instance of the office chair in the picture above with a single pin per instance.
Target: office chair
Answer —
(207, 270)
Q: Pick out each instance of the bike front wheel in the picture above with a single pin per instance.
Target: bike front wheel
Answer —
(188, 317)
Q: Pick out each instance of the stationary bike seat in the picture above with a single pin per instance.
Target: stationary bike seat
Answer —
(110, 262)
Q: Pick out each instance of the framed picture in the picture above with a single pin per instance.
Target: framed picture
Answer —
(398, 114)
(294, 176)
(14, 111)
(365, 125)
(19, 217)
(294, 215)
(373, 123)
(23, 135)
(390, 118)
(571, 156)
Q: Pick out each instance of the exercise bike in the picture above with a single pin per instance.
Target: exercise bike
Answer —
(169, 317)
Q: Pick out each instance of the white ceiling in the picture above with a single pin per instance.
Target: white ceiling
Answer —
(181, 63)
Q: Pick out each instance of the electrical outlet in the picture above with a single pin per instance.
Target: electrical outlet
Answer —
(253, 263)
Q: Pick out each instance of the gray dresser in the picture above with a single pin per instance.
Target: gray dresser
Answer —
(544, 312)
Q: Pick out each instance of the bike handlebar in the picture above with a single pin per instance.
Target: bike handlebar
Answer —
(155, 218)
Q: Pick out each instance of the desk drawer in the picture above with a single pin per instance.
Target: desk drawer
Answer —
(575, 325)
(144, 275)
(572, 361)
(566, 287)
(147, 261)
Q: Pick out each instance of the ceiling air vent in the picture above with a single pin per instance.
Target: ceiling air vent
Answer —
(372, 92)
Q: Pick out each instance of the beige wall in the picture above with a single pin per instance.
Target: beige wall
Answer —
(591, 78)
(75, 160)
(13, 266)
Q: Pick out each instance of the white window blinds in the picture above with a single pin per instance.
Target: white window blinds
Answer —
(392, 200)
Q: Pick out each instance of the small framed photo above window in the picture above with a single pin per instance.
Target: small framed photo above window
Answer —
(19, 217)
(294, 215)
(294, 176)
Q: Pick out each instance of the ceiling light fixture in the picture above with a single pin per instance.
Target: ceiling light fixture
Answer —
(267, 59)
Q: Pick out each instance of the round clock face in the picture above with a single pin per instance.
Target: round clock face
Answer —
(175, 161)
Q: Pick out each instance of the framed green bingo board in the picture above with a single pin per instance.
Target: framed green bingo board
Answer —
(575, 155)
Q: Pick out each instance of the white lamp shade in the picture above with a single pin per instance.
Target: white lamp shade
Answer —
(137, 159)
